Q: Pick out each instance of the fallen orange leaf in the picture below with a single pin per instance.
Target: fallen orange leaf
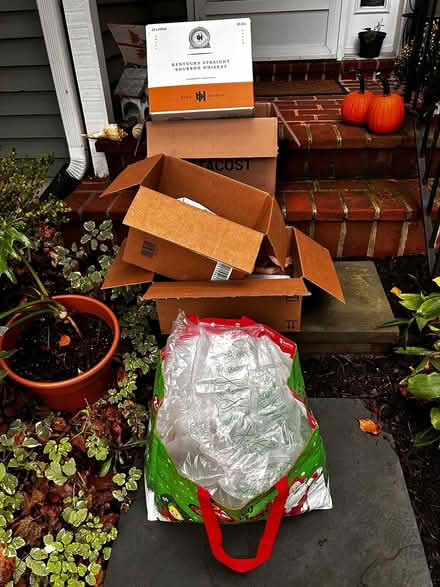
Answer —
(396, 291)
(370, 427)
(64, 340)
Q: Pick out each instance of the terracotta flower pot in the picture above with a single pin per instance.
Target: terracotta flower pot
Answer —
(71, 394)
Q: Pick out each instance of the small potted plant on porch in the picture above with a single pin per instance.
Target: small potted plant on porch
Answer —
(371, 40)
(60, 347)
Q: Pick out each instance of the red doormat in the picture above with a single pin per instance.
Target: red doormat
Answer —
(313, 87)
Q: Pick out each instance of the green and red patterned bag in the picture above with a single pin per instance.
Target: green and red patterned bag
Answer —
(171, 496)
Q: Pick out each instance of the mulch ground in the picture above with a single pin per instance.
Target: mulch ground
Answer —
(375, 380)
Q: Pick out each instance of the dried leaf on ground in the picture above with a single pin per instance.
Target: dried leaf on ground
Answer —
(368, 425)
(30, 531)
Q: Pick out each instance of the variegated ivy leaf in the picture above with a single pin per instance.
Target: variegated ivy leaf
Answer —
(135, 473)
(18, 542)
(106, 224)
(31, 443)
(119, 479)
(107, 552)
(69, 467)
(20, 568)
(38, 554)
(131, 485)
(65, 537)
(42, 429)
(89, 225)
(9, 484)
(37, 567)
(119, 494)
(16, 427)
(2, 471)
(54, 473)
(75, 517)
(85, 238)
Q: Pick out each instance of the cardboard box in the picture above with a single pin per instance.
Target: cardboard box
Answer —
(275, 302)
(182, 242)
(245, 149)
(200, 69)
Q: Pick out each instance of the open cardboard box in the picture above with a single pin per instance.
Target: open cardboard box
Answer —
(245, 149)
(182, 242)
(274, 302)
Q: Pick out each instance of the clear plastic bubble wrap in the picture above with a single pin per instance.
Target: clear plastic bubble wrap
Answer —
(229, 420)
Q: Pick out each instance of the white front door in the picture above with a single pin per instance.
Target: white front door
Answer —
(282, 29)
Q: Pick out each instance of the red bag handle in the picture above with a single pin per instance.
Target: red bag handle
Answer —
(265, 546)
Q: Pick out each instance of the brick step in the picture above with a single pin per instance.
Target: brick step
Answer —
(322, 69)
(331, 148)
(357, 218)
(352, 218)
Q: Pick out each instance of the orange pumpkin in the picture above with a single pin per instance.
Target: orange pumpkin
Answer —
(356, 104)
(387, 112)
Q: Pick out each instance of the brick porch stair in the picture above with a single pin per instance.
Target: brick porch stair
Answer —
(352, 218)
(357, 218)
(351, 190)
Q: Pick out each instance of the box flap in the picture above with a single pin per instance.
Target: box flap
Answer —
(316, 264)
(132, 176)
(211, 139)
(122, 273)
(227, 289)
(199, 231)
(276, 233)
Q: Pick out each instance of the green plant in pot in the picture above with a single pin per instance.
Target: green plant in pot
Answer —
(370, 41)
(59, 347)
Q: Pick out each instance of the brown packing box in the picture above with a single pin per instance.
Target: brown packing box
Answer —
(275, 302)
(182, 242)
(245, 149)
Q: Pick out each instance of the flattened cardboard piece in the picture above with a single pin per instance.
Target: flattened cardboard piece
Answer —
(122, 273)
(193, 229)
(161, 256)
(227, 289)
(282, 313)
(214, 139)
(134, 175)
(316, 264)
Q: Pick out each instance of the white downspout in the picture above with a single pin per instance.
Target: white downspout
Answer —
(52, 23)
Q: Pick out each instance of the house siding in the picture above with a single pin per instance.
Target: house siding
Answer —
(30, 120)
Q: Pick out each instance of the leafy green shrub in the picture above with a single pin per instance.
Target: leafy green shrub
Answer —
(423, 382)
(26, 221)
(86, 264)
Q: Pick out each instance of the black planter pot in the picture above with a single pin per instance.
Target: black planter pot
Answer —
(370, 47)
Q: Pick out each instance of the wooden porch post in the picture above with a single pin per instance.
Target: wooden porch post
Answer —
(91, 71)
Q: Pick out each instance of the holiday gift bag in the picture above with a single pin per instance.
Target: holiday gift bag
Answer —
(231, 439)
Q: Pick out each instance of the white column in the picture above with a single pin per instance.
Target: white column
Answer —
(65, 86)
(91, 71)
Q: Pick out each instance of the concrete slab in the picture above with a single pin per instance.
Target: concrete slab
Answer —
(331, 327)
(368, 539)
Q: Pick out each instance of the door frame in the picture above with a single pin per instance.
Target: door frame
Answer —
(341, 14)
